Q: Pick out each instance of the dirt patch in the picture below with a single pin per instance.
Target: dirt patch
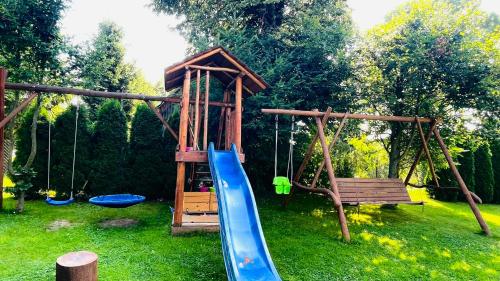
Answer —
(58, 224)
(118, 223)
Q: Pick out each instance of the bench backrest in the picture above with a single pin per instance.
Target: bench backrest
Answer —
(355, 191)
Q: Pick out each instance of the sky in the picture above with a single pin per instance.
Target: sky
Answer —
(151, 41)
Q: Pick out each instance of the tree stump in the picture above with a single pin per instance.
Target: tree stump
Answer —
(77, 266)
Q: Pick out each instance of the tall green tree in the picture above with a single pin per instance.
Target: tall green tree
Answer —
(430, 58)
(147, 158)
(103, 67)
(110, 149)
(484, 172)
(63, 137)
(495, 160)
(298, 47)
(467, 169)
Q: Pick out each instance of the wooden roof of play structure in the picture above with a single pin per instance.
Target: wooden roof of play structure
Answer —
(218, 58)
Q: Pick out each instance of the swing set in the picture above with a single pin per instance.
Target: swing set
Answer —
(354, 191)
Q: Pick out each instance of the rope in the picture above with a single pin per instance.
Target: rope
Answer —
(276, 147)
(289, 165)
(74, 150)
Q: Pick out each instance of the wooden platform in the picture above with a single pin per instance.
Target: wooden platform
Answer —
(197, 223)
(200, 156)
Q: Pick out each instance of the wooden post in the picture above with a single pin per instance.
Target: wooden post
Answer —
(333, 181)
(228, 134)
(427, 153)
(332, 144)
(419, 153)
(307, 157)
(205, 116)
(222, 119)
(3, 79)
(181, 166)
(77, 266)
(461, 183)
(237, 113)
(197, 110)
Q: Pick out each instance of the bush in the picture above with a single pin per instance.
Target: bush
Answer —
(466, 170)
(62, 152)
(484, 173)
(110, 148)
(23, 148)
(147, 160)
(495, 150)
(446, 179)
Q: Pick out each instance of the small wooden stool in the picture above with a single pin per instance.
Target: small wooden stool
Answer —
(77, 266)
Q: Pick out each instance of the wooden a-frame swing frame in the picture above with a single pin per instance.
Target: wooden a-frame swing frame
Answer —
(321, 119)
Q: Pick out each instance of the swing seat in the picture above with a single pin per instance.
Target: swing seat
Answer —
(282, 185)
(53, 202)
(117, 200)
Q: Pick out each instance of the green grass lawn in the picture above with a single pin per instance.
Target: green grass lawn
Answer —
(441, 243)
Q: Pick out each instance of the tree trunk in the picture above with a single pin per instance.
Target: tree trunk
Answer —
(20, 202)
(395, 150)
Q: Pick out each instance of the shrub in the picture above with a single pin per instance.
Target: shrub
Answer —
(466, 170)
(147, 159)
(110, 148)
(446, 179)
(62, 151)
(484, 173)
(495, 150)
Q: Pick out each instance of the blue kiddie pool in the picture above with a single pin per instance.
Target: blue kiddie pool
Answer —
(117, 200)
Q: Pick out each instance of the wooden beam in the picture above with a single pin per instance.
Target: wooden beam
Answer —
(229, 58)
(163, 121)
(333, 182)
(3, 79)
(221, 119)
(197, 110)
(227, 142)
(238, 113)
(212, 68)
(427, 153)
(419, 152)
(45, 89)
(461, 183)
(340, 115)
(198, 156)
(332, 144)
(181, 166)
(18, 109)
(205, 116)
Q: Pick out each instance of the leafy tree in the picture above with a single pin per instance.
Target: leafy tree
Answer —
(484, 173)
(467, 169)
(429, 59)
(110, 139)
(147, 159)
(298, 47)
(103, 67)
(24, 146)
(446, 178)
(62, 152)
(495, 160)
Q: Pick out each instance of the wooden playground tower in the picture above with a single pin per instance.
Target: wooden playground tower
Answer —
(194, 211)
(353, 191)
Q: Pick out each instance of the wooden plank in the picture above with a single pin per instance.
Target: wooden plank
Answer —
(370, 184)
(461, 183)
(340, 115)
(213, 68)
(197, 156)
(200, 218)
(375, 180)
(199, 207)
(227, 143)
(205, 121)
(197, 111)
(238, 113)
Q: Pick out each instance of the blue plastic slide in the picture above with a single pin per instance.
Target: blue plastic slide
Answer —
(243, 244)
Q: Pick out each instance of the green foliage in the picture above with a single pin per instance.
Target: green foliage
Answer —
(103, 67)
(429, 57)
(110, 149)
(446, 179)
(22, 177)
(495, 160)
(298, 47)
(23, 149)
(467, 169)
(147, 158)
(63, 136)
(484, 177)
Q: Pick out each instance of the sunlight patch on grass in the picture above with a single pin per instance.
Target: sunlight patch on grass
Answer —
(361, 219)
(461, 266)
(445, 253)
(392, 244)
(379, 260)
(317, 213)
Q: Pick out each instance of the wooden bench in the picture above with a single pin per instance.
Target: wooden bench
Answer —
(373, 191)
(200, 202)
